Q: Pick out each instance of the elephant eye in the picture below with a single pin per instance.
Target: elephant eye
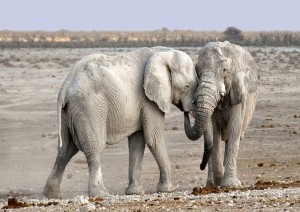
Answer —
(224, 70)
(186, 87)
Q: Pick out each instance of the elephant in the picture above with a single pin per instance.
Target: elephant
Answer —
(106, 99)
(224, 103)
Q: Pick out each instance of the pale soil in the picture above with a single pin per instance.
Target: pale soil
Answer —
(29, 83)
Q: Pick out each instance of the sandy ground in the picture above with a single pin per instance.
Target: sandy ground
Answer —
(30, 80)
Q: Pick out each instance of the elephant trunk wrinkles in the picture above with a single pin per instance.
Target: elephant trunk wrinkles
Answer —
(211, 101)
(206, 103)
(208, 144)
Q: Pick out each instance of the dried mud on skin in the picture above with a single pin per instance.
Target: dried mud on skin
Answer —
(13, 202)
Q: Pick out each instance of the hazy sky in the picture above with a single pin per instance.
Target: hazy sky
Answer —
(205, 15)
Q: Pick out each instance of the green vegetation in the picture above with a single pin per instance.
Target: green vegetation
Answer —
(165, 37)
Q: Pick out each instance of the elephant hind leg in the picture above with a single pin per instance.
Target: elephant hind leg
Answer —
(64, 155)
(96, 187)
(91, 137)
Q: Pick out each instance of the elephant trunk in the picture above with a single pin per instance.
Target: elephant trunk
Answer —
(205, 158)
(206, 103)
(207, 99)
(208, 144)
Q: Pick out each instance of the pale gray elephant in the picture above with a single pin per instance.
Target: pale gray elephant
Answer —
(225, 101)
(108, 98)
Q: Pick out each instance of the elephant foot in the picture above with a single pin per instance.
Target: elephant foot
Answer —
(215, 182)
(210, 183)
(231, 182)
(51, 193)
(98, 191)
(134, 189)
(218, 181)
(165, 188)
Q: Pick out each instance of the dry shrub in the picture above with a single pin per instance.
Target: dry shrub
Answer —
(176, 38)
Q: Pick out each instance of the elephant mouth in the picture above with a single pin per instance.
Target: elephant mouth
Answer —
(179, 106)
(223, 103)
(192, 113)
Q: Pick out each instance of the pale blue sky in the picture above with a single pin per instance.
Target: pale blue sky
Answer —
(52, 15)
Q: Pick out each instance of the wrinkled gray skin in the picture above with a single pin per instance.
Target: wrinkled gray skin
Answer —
(108, 98)
(225, 101)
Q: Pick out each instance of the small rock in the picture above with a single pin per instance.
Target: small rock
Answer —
(81, 200)
(90, 206)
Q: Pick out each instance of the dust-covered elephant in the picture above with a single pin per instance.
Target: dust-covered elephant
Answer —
(225, 101)
(108, 98)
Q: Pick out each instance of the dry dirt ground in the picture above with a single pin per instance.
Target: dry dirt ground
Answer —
(29, 82)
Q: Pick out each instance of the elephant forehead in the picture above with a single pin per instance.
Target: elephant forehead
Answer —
(208, 75)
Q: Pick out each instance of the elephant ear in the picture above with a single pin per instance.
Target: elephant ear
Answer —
(245, 78)
(157, 80)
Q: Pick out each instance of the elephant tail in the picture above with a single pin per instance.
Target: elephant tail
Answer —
(59, 108)
(61, 104)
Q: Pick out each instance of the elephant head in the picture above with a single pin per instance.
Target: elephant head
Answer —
(227, 73)
(170, 77)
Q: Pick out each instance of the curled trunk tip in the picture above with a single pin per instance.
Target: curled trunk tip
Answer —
(205, 159)
(191, 132)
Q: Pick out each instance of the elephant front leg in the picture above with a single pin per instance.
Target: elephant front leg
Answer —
(136, 144)
(231, 149)
(159, 152)
(217, 159)
(230, 163)
(153, 126)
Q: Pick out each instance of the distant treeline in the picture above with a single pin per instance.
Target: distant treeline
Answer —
(164, 37)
